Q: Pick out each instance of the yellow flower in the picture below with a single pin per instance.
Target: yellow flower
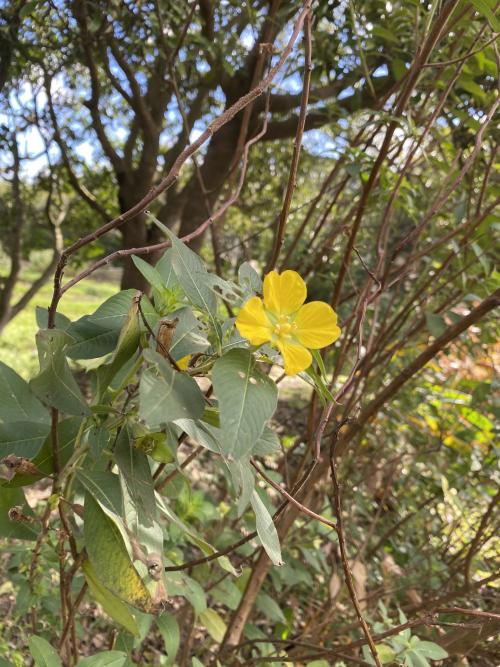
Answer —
(286, 323)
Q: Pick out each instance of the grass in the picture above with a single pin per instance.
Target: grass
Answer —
(17, 341)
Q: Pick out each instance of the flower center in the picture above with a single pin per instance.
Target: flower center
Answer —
(284, 328)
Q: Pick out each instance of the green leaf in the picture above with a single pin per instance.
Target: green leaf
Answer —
(97, 334)
(17, 401)
(105, 659)
(166, 270)
(214, 624)
(191, 274)
(127, 345)
(111, 604)
(193, 592)
(266, 529)
(249, 279)
(431, 650)
(435, 324)
(43, 653)
(166, 395)
(109, 557)
(14, 529)
(484, 8)
(92, 341)
(416, 659)
(169, 629)
(138, 491)
(42, 319)
(267, 444)
(149, 272)
(67, 432)
(247, 399)
(55, 384)
(188, 336)
(482, 258)
(22, 438)
(385, 653)
(226, 289)
(468, 84)
(243, 480)
(105, 488)
(227, 594)
(270, 608)
(204, 434)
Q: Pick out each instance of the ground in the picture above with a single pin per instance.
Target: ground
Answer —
(17, 342)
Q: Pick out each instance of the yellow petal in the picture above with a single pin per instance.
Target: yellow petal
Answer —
(316, 325)
(252, 322)
(284, 293)
(183, 362)
(296, 357)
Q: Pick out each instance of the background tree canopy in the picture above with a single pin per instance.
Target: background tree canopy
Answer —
(193, 504)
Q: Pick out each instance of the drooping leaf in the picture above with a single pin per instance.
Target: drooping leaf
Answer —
(266, 529)
(139, 495)
(247, 399)
(55, 384)
(43, 653)
(169, 630)
(104, 486)
(214, 624)
(111, 604)
(109, 557)
(128, 342)
(17, 401)
(166, 395)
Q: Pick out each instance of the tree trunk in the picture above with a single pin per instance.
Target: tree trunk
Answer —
(214, 172)
(135, 234)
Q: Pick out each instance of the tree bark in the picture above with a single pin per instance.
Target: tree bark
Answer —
(135, 234)
(214, 172)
